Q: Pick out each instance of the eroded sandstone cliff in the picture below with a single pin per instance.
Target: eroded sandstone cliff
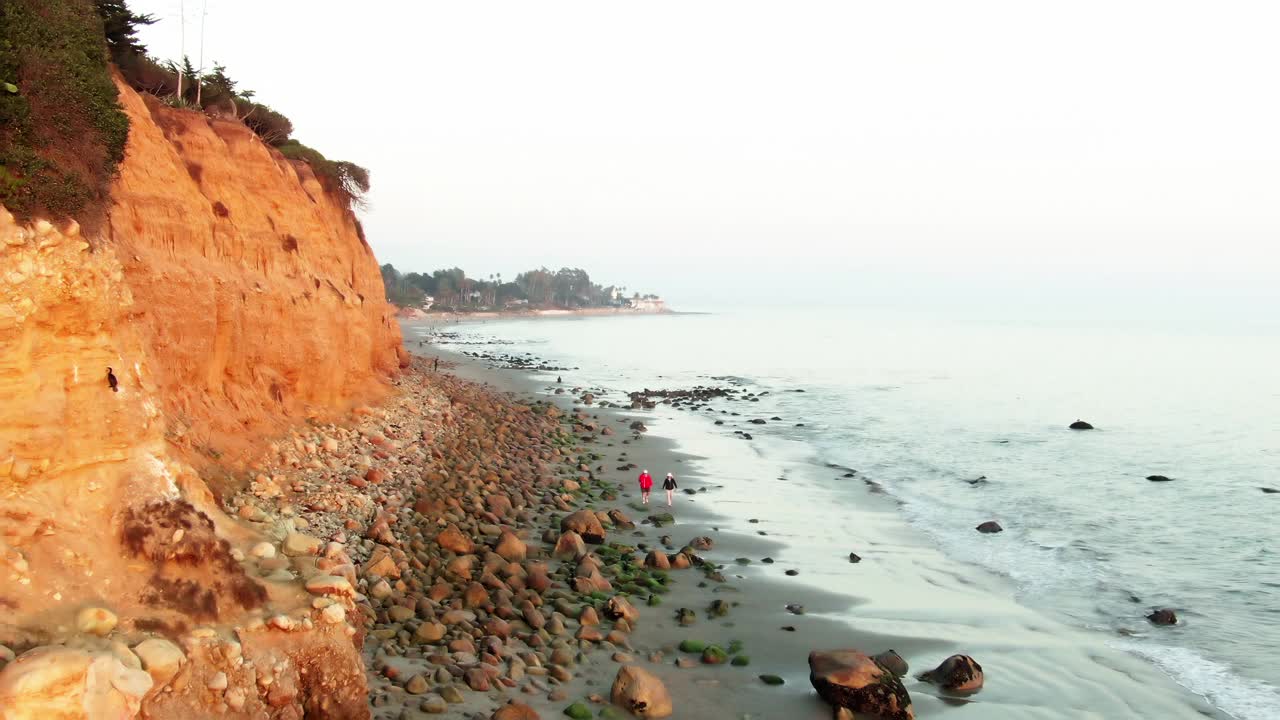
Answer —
(231, 296)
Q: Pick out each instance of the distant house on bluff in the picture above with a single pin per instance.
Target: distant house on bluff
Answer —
(649, 304)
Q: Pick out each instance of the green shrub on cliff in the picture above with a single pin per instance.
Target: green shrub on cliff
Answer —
(62, 133)
(345, 178)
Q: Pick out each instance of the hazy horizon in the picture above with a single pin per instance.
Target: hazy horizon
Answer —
(712, 151)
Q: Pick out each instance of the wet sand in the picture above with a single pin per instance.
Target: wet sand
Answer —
(903, 595)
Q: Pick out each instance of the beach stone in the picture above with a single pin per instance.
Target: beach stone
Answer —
(434, 704)
(1080, 425)
(381, 590)
(620, 519)
(657, 560)
(578, 711)
(714, 655)
(329, 585)
(586, 524)
(160, 658)
(452, 539)
(890, 660)
(263, 550)
(515, 711)
(96, 621)
(476, 679)
(417, 685)
(217, 681)
(429, 632)
(1159, 478)
(989, 527)
(619, 609)
(510, 547)
(701, 543)
(570, 546)
(381, 565)
(298, 544)
(958, 673)
(1163, 616)
(771, 680)
(851, 679)
(451, 694)
(854, 558)
(640, 692)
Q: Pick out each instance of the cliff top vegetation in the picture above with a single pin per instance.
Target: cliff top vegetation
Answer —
(62, 132)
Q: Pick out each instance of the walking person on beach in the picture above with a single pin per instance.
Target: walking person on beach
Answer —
(670, 486)
(646, 484)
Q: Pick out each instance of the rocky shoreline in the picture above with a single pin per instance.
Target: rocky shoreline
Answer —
(482, 549)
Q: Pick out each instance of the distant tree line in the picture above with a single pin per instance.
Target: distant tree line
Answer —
(542, 288)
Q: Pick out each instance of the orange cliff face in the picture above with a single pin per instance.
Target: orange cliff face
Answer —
(255, 292)
(231, 296)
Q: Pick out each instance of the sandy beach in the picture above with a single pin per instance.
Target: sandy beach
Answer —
(903, 594)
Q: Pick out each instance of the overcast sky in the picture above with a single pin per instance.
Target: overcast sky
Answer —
(664, 145)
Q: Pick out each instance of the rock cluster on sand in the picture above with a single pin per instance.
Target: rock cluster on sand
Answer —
(472, 539)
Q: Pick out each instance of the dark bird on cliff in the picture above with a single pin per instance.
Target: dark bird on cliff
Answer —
(111, 380)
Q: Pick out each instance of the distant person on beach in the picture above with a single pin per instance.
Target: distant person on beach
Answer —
(436, 365)
(670, 486)
(646, 484)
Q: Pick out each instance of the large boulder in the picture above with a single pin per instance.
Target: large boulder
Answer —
(989, 527)
(57, 683)
(1081, 425)
(641, 693)
(1163, 616)
(850, 679)
(586, 524)
(957, 674)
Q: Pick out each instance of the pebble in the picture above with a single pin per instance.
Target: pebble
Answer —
(434, 704)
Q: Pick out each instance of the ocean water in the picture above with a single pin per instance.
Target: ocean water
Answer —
(922, 404)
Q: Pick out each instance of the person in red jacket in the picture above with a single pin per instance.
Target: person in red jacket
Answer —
(646, 484)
